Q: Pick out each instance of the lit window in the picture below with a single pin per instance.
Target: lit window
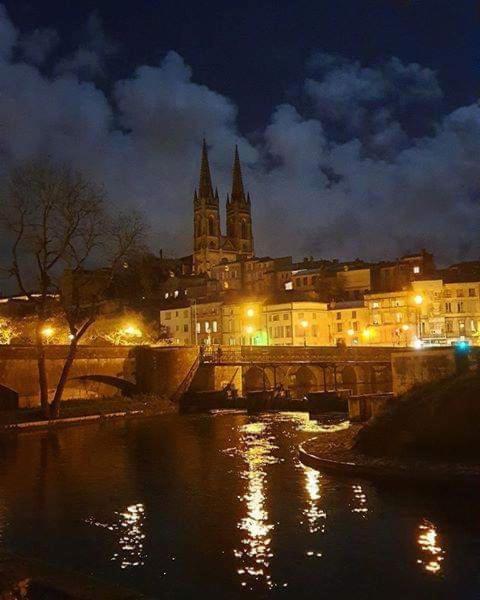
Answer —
(175, 294)
(207, 327)
(198, 327)
(289, 285)
(214, 326)
(416, 269)
(375, 304)
(166, 295)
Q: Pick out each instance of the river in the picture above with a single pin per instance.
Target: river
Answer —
(219, 507)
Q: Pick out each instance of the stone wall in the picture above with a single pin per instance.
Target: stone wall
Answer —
(411, 368)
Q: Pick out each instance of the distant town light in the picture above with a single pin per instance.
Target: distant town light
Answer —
(48, 331)
(351, 332)
(250, 312)
(304, 324)
(418, 299)
(405, 327)
(249, 329)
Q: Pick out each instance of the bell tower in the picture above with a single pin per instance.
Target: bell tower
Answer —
(206, 215)
(239, 217)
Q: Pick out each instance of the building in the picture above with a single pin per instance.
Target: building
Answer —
(397, 275)
(393, 319)
(449, 312)
(178, 322)
(210, 247)
(348, 323)
(297, 323)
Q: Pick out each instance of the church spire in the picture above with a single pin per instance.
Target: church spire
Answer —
(205, 188)
(238, 193)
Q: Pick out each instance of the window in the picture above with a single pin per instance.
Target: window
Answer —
(207, 327)
(460, 306)
(375, 304)
(244, 230)
(166, 295)
(339, 316)
(276, 318)
(288, 331)
(354, 314)
(472, 293)
(416, 269)
(176, 313)
(185, 314)
(449, 326)
(285, 316)
(278, 331)
(355, 326)
(168, 316)
(460, 293)
(175, 294)
(177, 328)
(315, 330)
(448, 307)
(289, 285)
(377, 319)
(305, 281)
(314, 316)
(185, 328)
(339, 327)
(214, 326)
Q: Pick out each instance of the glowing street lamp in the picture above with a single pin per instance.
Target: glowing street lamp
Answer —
(304, 325)
(250, 312)
(367, 334)
(418, 299)
(47, 332)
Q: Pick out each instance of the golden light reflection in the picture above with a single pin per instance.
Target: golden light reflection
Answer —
(360, 500)
(432, 553)
(129, 525)
(315, 515)
(255, 553)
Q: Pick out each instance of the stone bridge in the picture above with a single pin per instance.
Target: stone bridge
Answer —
(93, 367)
(170, 371)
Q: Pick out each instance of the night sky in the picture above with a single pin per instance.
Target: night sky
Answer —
(357, 120)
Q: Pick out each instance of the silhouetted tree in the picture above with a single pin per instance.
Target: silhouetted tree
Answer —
(57, 222)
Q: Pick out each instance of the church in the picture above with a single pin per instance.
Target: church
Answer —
(210, 247)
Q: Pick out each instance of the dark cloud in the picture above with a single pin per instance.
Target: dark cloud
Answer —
(363, 187)
(90, 58)
(38, 45)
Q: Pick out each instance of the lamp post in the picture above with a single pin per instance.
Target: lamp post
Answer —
(418, 299)
(304, 324)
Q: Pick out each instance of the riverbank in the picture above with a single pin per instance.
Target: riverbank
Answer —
(336, 452)
(83, 411)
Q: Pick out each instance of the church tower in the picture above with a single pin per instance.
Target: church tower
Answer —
(239, 217)
(207, 235)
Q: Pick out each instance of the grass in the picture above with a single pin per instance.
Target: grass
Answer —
(82, 408)
(439, 420)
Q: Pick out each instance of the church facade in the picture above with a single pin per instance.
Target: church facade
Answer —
(210, 246)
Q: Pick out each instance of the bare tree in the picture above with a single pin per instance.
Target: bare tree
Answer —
(57, 223)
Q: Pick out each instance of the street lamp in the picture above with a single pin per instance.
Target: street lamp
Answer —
(367, 333)
(418, 299)
(250, 312)
(304, 324)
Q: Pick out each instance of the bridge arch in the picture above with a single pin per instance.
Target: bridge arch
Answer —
(8, 397)
(255, 378)
(303, 381)
(127, 388)
(350, 379)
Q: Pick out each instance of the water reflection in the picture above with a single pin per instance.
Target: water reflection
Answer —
(359, 500)
(315, 515)
(432, 553)
(129, 526)
(255, 552)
